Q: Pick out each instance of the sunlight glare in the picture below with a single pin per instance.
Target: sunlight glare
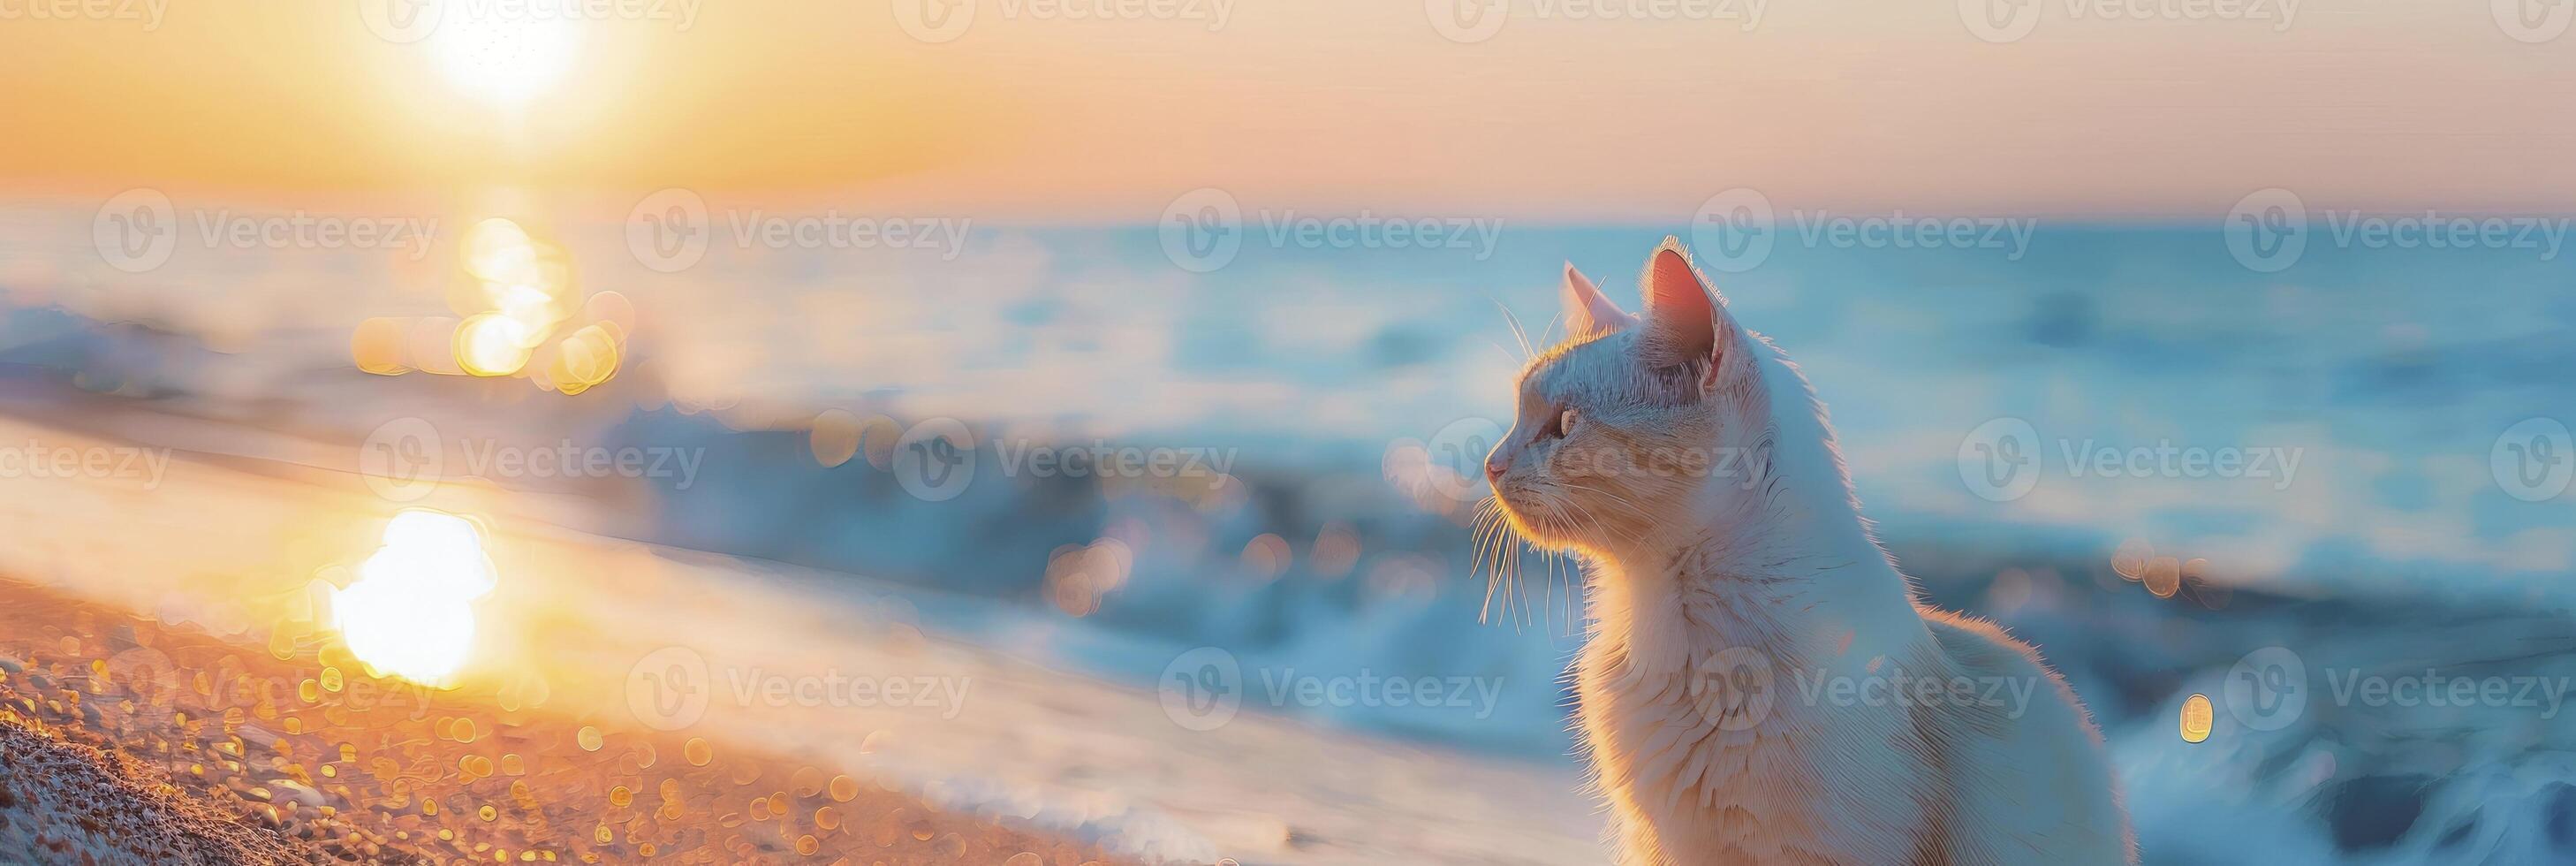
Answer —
(410, 612)
(497, 249)
(502, 58)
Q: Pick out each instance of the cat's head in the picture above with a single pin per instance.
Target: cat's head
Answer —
(1635, 424)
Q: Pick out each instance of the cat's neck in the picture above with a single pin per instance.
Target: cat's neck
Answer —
(1778, 592)
(1671, 623)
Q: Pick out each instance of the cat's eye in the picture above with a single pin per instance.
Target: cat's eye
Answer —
(1565, 422)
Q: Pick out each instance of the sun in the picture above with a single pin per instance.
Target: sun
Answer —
(504, 59)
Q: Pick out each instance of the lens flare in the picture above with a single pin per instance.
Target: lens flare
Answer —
(584, 360)
(520, 304)
(377, 346)
(2197, 718)
(410, 612)
(492, 344)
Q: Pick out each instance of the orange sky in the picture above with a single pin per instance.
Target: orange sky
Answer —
(1325, 104)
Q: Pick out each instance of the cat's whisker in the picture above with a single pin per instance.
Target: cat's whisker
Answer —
(1476, 531)
(1489, 525)
(1573, 603)
(1573, 518)
(1476, 544)
(1547, 336)
(1517, 331)
(1575, 614)
(1489, 542)
(1508, 553)
(1547, 606)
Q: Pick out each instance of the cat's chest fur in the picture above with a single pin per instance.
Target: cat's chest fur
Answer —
(1700, 709)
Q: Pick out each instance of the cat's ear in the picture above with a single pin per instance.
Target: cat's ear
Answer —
(1685, 322)
(1587, 313)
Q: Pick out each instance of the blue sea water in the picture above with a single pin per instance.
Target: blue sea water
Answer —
(2365, 421)
(2367, 392)
(2371, 393)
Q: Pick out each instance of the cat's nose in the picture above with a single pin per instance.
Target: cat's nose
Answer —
(1495, 463)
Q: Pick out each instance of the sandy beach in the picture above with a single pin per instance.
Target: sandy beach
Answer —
(164, 745)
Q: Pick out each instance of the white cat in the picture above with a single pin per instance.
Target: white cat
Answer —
(1759, 685)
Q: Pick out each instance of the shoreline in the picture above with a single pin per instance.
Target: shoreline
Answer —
(236, 543)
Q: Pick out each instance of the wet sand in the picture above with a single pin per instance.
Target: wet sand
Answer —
(124, 741)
